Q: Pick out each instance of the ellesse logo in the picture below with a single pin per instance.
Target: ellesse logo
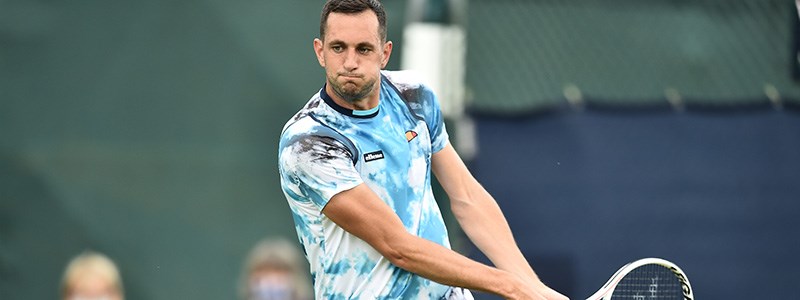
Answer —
(373, 156)
(410, 135)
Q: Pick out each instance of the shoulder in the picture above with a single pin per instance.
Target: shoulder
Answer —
(411, 84)
(309, 121)
(307, 135)
(414, 90)
(405, 79)
(304, 113)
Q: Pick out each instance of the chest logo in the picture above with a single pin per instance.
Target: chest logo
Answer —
(368, 157)
(410, 135)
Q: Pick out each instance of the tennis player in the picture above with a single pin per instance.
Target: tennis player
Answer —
(355, 167)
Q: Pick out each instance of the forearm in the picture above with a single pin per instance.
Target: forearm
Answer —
(448, 267)
(484, 223)
(479, 215)
(360, 212)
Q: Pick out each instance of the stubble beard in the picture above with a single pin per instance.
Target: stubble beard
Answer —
(352, 94)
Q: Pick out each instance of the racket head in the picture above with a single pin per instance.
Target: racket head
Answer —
(647, 278)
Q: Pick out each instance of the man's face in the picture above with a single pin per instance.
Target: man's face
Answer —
(271, 284)
(352, 54)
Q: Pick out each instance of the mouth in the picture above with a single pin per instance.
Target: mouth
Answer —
(350, 76)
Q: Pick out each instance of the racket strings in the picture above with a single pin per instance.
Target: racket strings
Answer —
(649, 282)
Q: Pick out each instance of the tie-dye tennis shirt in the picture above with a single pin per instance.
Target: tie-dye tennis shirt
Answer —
(326, 149)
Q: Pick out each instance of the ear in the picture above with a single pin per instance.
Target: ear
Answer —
(387, 52)
(318, 47)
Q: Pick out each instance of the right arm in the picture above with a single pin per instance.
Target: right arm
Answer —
(321, 168)
(360, 212)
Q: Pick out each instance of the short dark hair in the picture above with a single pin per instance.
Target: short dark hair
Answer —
(353, 7)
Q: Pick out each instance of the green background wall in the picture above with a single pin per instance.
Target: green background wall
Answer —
(147, 130)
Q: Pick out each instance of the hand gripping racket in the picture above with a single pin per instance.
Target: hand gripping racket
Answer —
(645, 279)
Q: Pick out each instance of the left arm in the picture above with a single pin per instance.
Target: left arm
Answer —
(480, 217)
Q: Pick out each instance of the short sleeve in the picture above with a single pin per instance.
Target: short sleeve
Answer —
(316, 168)
(434, 119)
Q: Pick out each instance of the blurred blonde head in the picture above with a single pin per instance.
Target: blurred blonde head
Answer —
(91, 276)
(275, 270)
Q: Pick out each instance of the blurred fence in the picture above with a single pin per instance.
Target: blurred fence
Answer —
(527, 55)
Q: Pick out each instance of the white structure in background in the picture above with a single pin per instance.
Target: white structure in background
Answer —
(437, 53)
(797, 3)
(434, 45)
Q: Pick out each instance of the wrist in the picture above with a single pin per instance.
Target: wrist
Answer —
(509, 285)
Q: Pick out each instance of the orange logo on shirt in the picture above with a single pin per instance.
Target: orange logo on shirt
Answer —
(410, 135)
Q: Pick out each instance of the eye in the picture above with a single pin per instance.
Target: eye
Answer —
(364, 50)
(337, 48)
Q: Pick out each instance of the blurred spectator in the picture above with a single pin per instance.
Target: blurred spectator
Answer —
(91, 276)
(275, 270)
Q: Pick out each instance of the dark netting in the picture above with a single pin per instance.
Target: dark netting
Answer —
(525, 55)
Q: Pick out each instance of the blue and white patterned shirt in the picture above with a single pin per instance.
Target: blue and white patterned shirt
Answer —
(326, 149)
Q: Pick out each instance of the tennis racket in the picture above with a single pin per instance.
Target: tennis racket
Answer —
(645, 279)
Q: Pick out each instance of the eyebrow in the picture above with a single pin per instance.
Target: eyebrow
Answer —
(362, 44)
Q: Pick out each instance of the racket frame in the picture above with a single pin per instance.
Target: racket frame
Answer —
(608, 289)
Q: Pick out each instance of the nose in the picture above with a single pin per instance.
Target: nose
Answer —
(350, 60)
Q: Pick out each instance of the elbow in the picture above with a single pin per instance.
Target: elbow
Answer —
(399, 253)
(462, 205)
(468, 198)
(400, 260)
(473, 201)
